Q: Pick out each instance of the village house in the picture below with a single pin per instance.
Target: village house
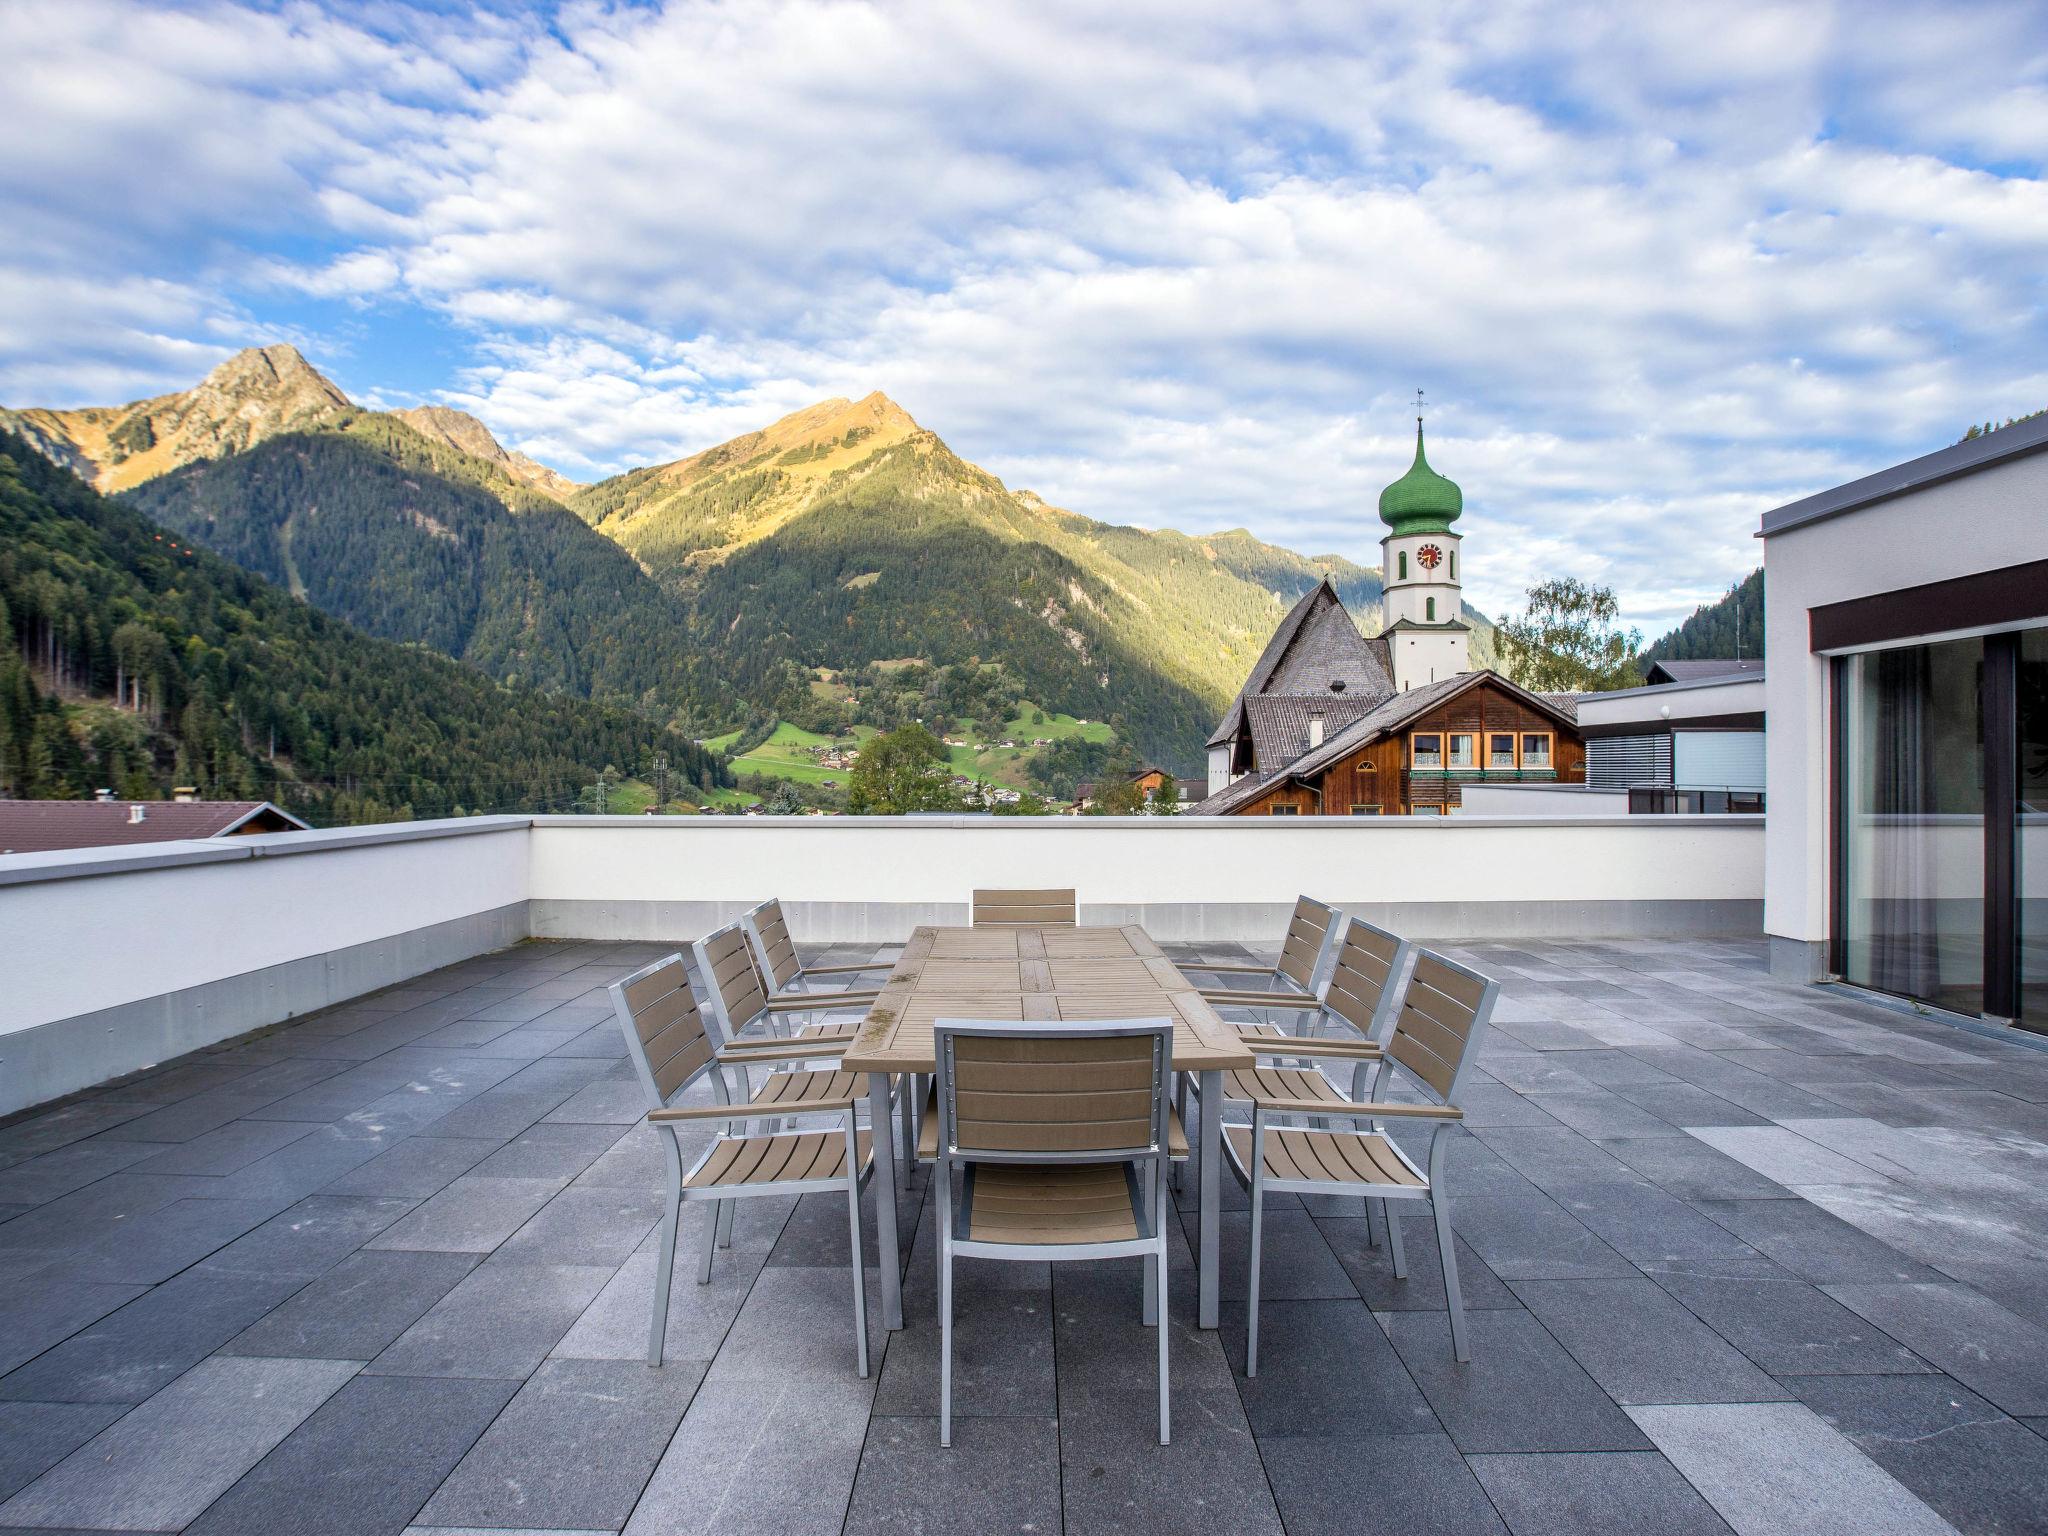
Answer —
(1332, 723)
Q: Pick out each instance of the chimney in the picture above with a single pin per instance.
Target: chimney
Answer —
(1315, 731)
(137, 814)
(103, 796)
(184, 794)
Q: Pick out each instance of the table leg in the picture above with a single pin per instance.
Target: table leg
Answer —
(882, 1139)
(1211, 1199)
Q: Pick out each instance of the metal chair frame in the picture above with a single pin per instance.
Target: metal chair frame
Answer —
(763, 921)
(1374, 1112)
(668, 1117)
(1150, 1244)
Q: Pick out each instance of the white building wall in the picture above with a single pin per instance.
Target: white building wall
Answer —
(1992, 518)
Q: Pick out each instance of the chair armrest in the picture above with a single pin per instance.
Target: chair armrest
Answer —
(1308, 1045)
(847, 970)
(1230, 970)
(746, 1111)
(786, 1050)
(1358, 1111)
(1229, 998)
(820, 1002)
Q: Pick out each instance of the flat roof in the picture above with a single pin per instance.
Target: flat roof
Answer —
(1719, 680)
(1964, 458)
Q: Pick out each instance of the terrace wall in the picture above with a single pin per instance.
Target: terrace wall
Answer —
(113, 959)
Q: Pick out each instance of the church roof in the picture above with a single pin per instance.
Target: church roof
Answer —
(1279, 723)
(1421, 501)
(1317, 652)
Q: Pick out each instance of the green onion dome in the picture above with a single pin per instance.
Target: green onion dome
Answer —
(1421, 501)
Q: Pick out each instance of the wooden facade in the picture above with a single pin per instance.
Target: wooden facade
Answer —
(1381, 776)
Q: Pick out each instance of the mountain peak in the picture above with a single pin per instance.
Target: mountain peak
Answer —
(463, 432)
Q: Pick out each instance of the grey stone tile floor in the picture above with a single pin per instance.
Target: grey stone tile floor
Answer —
(1739, 1256)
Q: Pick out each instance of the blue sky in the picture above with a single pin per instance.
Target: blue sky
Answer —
(1658, 268)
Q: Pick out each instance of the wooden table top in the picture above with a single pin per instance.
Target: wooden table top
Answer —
(1036, 973)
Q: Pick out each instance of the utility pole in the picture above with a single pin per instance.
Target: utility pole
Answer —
(659, 771)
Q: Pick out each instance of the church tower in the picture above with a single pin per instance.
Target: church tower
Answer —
(1427, 637)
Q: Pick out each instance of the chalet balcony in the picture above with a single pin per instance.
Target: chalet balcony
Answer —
(326, 1205)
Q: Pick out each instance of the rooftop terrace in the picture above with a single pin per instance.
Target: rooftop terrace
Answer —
(1739, 1255)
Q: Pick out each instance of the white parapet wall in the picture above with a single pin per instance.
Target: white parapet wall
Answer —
(115, 959)
(874, 878)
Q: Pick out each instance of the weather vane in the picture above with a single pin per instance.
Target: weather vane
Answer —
(1418, 407)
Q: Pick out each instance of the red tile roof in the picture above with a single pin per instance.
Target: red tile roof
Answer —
(48, 826)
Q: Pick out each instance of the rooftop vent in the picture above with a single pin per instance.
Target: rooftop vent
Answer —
(1315, 731)
(184, 794)
(103, 796)
(1336, 685)
(137, 814)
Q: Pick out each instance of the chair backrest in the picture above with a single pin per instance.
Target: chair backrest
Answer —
(1053, 1092)
(773, 946)
(1309, 933)
(1443, 1017)
(732, 982)
(666, 1038)
(1360, 987)
(1024, 909)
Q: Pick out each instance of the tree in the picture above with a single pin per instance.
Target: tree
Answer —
(1026, 804)
(1568, 641)
(1165, 797)
(787, 800)
(1118, 796)
(904, 770)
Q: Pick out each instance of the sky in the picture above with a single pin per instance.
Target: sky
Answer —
(1657, 268)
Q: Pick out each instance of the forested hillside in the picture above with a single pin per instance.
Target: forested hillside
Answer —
(1732, 626)
(414, 540)
(132, 661)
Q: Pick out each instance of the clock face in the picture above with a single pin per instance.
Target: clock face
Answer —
(1430, 556)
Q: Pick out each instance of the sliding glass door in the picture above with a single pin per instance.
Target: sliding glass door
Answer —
(1912, 828)
(1941, 797)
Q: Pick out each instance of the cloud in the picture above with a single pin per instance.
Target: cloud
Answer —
(1661, 267)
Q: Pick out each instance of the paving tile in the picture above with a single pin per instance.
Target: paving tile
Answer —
(1641, 1346)
(1785, 1325)
(1786, 1157)
(1600, 1113)
(310, 1238)
(1769, 1468)
(472, 1215)
(1555, 1156)
(1323, 1363)
(356, 1309)
(2003, 1357)
(366, 1460)
(416, 1168)
(1384, 1485)
(131, 1354)
(1686, 1105)
(1117, 1478)
(615, 1325)
(1601, 1493)
(65, 1124)
(609, 1101)
(547, 1151)
(999, 1475)
(572, 1450)
(36, 1436)
(1520, 1391)
(1692, 1170)
(1971, 1464)
(1297, 1263)
(1640, 1221)
(40, 1315)
(1372, 1269)
(1534, 1238)
(157, 1245)
(1103, 1345)
(70, 1226)
(798, 1323)
(1812, 1243)
(164, 1462)
(585, 1226)
(499, 1320)
(756, 1456)
(40, 1179)
(229, 1149)
(1002, 1360)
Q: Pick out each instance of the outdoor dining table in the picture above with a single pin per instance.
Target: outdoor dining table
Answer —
(1038, 973)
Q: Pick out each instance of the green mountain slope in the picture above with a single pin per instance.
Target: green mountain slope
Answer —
(132, 661)
(411, 539)
(1731, 626)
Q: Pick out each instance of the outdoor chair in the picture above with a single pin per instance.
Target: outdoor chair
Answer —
(1290, 984)
(1436, 1036)
(786, 975)
(673, 1046)
(1023, 909)
(739, 1003)
(1058, 1135)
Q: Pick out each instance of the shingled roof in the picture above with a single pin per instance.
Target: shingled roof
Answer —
(1317, 652)
(1279, 722)
(48, 826)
